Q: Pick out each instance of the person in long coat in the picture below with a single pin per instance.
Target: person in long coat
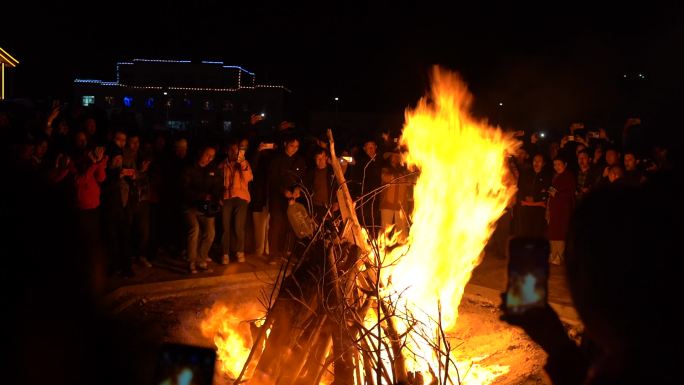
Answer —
(561, 204)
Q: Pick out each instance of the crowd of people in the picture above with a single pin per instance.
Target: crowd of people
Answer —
(85, 194)
(145, 194)
(554, 176)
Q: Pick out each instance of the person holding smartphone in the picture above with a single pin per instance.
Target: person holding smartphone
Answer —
(533, 188)
(623, 285)
(202, 188)
(237, 174)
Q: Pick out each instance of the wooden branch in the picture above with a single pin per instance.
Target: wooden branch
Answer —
(360, 239)
(260, 337)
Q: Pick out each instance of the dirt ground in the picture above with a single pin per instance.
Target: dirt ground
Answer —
(481, 338)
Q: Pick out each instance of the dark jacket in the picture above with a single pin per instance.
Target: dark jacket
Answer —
(285, 172)
(198, 182)
(365, 176)
(309, 183)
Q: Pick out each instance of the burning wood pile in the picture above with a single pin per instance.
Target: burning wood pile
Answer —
(348, 309)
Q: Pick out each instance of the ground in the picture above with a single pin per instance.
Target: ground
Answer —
(176, 303)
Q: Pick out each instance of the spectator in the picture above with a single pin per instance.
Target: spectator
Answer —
(261, 161)
(320, 181)
(286, 171)
(561, 203)
(237, 175)
(202, 188)
(532, 196)
(633, 176)
(139, 197)
(612, 159)
(117, 215)
(365, 179)
(587, 177)
(394, 196)
(598, 160)
(608, 278)
(40, 149)
(172, 198)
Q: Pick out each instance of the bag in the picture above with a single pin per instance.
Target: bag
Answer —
(300, 220)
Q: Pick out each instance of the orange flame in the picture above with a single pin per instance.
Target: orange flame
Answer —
(231, 335)
(462, 190)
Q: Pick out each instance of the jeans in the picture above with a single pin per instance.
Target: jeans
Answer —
(278, 226)
(234, 209)
(141, 227)
(196, 223)
(261, 219)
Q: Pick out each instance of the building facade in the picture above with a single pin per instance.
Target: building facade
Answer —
(206, 97)
(6, 62)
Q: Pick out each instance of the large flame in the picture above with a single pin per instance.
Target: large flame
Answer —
(462, 189)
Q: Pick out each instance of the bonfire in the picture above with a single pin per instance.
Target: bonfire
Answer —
(348, 309)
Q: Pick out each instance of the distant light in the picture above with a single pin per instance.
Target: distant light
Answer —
(263, 115)
(542, 134)
(624, 76)
(500, 104)
(166, 93)
(128, 101)
(336, 98)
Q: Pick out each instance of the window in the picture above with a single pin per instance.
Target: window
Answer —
(128, 101)
(87, 100)
(180, 125)
(109, 100)
(227, 126)
(149, 103)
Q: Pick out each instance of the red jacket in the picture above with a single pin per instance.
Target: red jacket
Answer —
(88, 185)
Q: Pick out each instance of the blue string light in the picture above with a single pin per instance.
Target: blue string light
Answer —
(118, 84)
(240, 68)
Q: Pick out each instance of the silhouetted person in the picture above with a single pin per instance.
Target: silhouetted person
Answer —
(621, 275)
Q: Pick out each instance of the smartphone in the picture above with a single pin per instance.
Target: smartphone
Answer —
(269, 146)
(571, 138)
(348, 159)
(593, 134)
(184, 364)
(528, 273)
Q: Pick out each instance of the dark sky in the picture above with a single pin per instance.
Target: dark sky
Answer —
(547, 63)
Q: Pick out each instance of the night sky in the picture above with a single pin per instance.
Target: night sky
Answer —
(549, 63)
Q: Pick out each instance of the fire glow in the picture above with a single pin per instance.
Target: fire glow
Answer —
(462, 190)
(463, 187)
